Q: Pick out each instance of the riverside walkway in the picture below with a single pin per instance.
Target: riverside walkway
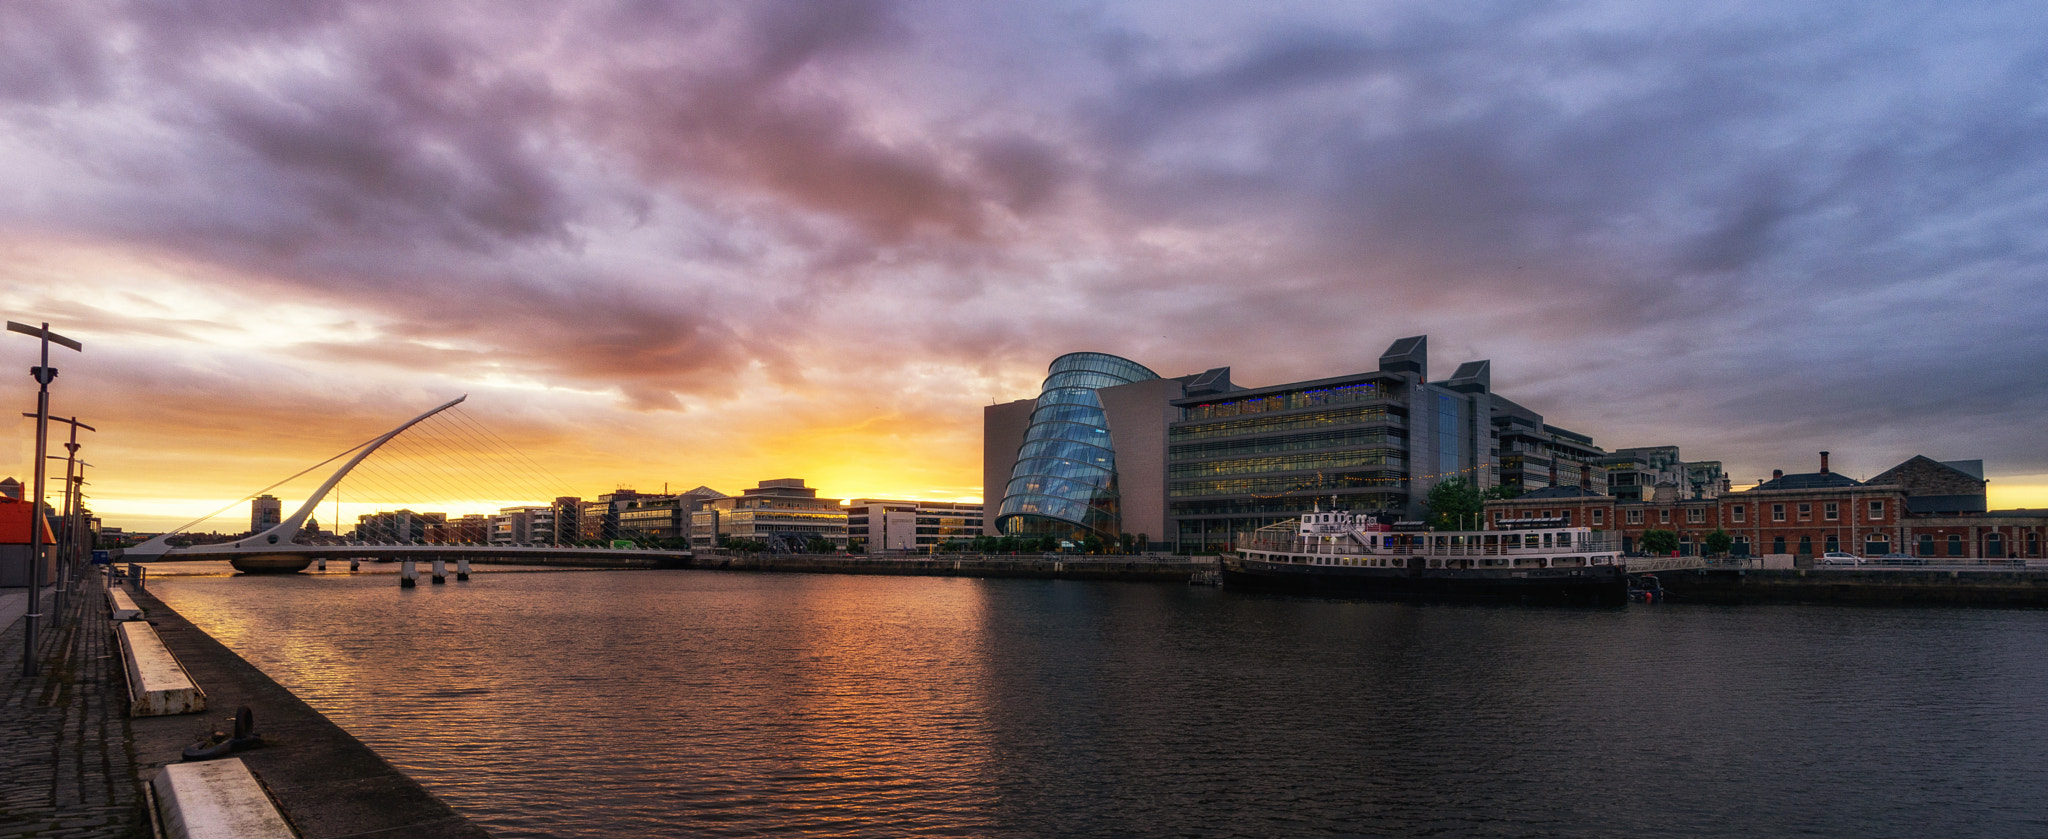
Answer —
(72, 761)
(67, 766)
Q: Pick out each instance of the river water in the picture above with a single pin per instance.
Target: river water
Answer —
(705, 703)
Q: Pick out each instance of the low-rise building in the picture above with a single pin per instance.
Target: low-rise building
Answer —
(782, 513)
(878, 526)
(1922, 507)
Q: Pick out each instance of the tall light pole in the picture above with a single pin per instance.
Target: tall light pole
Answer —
(42, 373)
(67, 569)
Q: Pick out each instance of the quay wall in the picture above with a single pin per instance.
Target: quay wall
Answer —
(1890, 586)
(327, 783)
(1132, 568)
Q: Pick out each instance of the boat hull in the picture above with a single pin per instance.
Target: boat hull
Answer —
(1598, 585)
(271, 563)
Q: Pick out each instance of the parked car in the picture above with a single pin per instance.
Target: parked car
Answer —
(1840, 558)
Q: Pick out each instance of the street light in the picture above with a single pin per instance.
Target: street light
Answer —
(67, 568)
(42, 373)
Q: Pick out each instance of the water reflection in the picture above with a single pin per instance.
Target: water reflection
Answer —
(704, 703)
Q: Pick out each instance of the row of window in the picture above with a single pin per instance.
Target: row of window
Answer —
(1293, 483)
(1261, 425)
(1339, 395)
(1344, 439)
(1288, 463)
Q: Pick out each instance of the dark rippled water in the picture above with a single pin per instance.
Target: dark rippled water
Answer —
(696, 703)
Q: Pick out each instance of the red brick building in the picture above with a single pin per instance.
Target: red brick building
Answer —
(1921, 507)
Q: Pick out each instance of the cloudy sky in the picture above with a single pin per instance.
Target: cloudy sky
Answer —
(714, 243)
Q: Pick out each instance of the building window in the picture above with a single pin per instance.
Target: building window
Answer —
(1777, 544)
(1831, 511)
(1663, 516)
(1994, 545)
(1876, 510)
(1566, 515)
(1695, 516)
(1926, 544)
(1955, 544)
(1599, 517)
(1736, 513)
(1777, 512)
(1877, 544)
(1635, 517)
(1740, 547)
(1805, 511)
(1806, 546)
(2033, 544)
(1834, 543)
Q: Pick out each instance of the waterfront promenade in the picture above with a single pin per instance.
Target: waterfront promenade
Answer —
(74, 760)
(66, 756)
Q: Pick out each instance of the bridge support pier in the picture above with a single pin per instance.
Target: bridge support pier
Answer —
(408, 575)
(440, 571)
(462, 569)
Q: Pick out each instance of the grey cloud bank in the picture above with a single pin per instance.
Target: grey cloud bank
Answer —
(1753, 230)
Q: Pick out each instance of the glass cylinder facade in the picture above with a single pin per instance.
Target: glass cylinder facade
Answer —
(1064, 483)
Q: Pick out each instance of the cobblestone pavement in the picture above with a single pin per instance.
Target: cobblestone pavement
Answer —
(67, 767)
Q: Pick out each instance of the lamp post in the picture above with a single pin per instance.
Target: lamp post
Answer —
(42, 373)
(67, 569)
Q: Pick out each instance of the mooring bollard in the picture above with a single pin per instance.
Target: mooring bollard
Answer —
(440, 571)
(322, 565)
(408, 575)
(462, 569)
(355, 564)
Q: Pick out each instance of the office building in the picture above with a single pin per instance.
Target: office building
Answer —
(879, 526)
(1109, 448)
(782, 514)
(265, 512)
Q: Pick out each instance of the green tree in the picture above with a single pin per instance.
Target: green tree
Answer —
(1454, 504)
(1503, 492)
(1718, 542)
(1658, 542)
(1092, 545)
(820, 545)
(1144, 542)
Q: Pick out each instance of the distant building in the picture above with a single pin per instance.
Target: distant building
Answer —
(599, 520)
(662, 516)
(1109, 448)
(396, 525)
(1637, 473)
(471, 529)
(265, 512)
(877, 526)
(781, 513)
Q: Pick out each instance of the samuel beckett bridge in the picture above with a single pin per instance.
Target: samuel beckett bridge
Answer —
(426, 465)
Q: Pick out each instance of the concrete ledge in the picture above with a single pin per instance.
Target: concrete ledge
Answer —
(216, 798)
(157, 684)
(123, 606)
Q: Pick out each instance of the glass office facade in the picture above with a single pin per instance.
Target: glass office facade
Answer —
(1064, 482)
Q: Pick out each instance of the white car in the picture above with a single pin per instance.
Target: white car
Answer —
(1840, 558)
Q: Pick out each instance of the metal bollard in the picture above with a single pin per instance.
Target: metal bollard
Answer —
(408, 575)
(440, 571)
(322, 565)
(355, 564)
(462, 569)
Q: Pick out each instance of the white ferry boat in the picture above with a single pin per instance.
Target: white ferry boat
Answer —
(1341, 554)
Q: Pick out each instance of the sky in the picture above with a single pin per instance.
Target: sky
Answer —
(716, 243)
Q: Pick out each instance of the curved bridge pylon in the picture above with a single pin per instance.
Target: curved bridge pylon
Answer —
(280, 537)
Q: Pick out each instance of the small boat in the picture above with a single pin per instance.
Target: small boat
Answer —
(1338, 553)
